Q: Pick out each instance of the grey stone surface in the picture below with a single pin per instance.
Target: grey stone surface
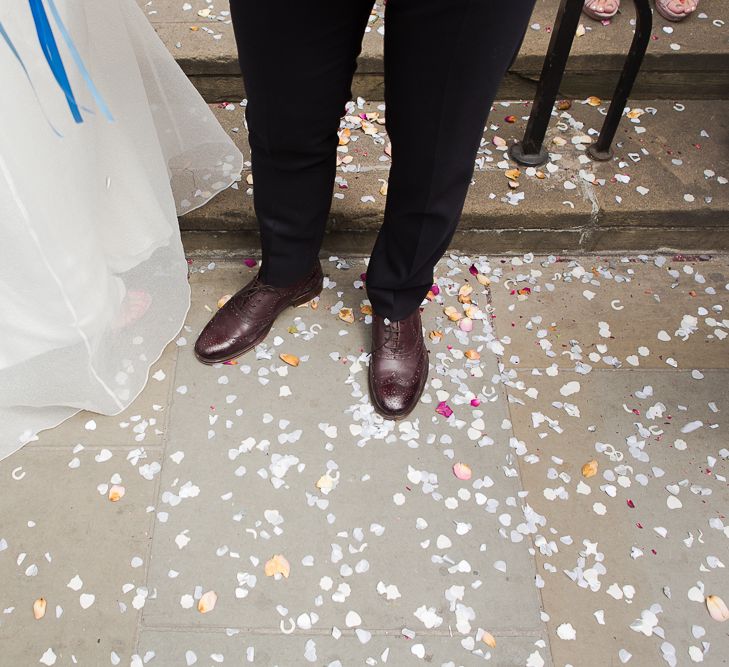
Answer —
(59, 528)
(558, 320)
(172, 648)
(660, 569)
(378, 469)
(666, 186)
(208, 501)
(691, 61)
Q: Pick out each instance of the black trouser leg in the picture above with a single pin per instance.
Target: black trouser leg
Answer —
(297, 60)
(444, 60)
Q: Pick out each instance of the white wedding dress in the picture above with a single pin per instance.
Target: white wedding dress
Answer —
(93, 279)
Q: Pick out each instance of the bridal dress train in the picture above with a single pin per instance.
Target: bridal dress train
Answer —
(93, 278)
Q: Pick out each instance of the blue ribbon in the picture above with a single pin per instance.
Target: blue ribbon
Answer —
(53, 57)
(14, 51)
(79, 63)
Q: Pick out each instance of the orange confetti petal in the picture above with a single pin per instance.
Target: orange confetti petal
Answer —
(589, 469)
(207, 602)
(464, 293)
(483, 280)
(290, 359)
(346, 315)
(39, 608)
(277, 565)
(717, 608)
(452, 314)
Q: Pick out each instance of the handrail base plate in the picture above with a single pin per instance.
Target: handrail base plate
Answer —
(516, 153)
(599, 155)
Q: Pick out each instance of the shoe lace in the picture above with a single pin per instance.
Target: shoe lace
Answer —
(255, 287)
(392, 336)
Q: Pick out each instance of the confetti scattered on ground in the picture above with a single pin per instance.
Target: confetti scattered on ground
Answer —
(560, 491)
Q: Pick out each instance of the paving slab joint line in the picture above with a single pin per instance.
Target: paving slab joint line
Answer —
(588, 190)
(255, 253)
(156, 492)
(542, 607)
(121, 448)
(326, 632)
(532, 79)
(629, 369)
(220, 254)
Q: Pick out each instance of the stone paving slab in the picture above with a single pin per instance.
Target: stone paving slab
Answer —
(683, 145)
(337, 535)
(552, 314)
(618, 513)
(62, 539)
(686, 60)
(180, 647)
(666, 187)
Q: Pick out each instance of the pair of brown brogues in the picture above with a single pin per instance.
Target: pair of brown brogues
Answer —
(399, 361)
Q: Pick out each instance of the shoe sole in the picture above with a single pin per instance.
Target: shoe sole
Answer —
(399, 417)
(297, 302)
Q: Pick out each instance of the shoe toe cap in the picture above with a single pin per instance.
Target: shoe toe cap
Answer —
(212, 344)
(395, 398)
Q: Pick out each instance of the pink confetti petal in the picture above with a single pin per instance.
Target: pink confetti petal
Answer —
(462, 471)
(466, 324)
(444, 409)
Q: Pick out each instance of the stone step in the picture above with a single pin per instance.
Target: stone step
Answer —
(665, 188)
(687, 60)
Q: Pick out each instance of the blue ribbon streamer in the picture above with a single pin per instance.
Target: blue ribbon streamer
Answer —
(14, 51)
(53, 57)
(79, 63)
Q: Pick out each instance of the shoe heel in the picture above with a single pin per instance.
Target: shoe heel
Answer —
(308, 296)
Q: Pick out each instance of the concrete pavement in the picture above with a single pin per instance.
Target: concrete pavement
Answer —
(392, 558)
(685, 60)
(666, 187)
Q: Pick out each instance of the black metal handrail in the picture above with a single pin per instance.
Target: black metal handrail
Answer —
(530, 151)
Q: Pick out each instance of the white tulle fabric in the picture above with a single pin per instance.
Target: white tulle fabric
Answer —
(93, 279)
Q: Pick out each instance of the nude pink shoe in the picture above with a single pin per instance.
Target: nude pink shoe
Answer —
(676, 10)
(600, 10)
(135, 305)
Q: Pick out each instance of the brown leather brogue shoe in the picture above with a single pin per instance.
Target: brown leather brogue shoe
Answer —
(247, 317)
(398, 365)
